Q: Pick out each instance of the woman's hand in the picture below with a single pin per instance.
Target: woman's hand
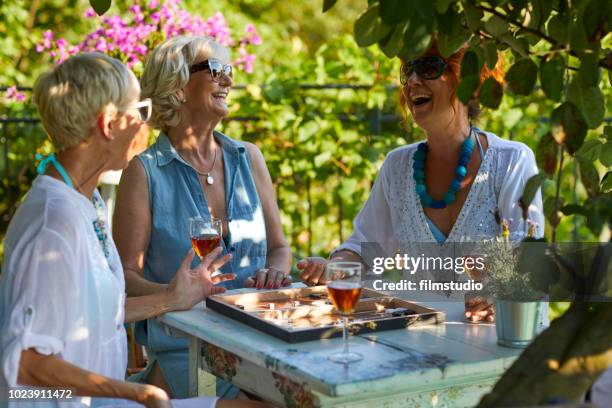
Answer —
(313, 270)
(479, 309)
(268, 278)
(191, 286)
(154, 397)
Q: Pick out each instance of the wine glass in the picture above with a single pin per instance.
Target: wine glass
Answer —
(344, 289)
(205, 235)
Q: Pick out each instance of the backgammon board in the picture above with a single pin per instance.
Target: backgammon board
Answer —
(303, 314)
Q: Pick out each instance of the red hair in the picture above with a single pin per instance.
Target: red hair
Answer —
(454, 73)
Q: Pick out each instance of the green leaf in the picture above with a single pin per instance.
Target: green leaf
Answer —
(100, 6)
(589, 100)
(573, 209)
(589, 72)
(451, 33)
(327, 4)
(596, 19)
(606, 154)
(394, 42)
(419, 34)
(467, 87)
(490, 52)
(417, 40)
(541, 12)
(522, 76)
(551, 77)
(530, 190)
(442, 6)
(589, 177)
(558, 27)
(577, 37)
(568, 126)
(347, 188)
(473, 16)
(496, 26)
(470, 65)
(520, 46)
(608, 133)
(590, 150)
(322, 158)
(369, 27)
(546, 154)
(395, 11)
(606, 183)
(491, 93)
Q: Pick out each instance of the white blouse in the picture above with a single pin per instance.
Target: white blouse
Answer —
(58, 292)
(393, 215)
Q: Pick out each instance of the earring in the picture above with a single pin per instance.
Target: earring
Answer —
(184, 101)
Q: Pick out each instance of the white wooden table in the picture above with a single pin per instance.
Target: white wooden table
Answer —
(447, 365)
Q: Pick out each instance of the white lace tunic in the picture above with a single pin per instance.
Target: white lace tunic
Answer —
(393, 214)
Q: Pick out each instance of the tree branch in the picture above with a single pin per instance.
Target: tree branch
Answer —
(538, 33)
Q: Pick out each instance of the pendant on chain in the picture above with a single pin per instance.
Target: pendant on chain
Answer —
(209, 179)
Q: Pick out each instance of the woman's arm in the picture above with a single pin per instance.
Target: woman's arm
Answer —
(278, 260)
(132, 229)
(372, 224)
(51, 371)
(188, 287)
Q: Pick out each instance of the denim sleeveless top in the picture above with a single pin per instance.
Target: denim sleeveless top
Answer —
(175, 195)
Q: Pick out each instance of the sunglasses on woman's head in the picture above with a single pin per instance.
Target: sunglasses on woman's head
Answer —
(430, 67)
(215, 67)
(145, 109)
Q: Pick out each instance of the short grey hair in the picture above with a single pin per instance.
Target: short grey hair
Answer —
(72, 95)
(166, 72)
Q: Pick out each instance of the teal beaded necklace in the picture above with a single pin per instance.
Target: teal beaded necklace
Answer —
(418, 172)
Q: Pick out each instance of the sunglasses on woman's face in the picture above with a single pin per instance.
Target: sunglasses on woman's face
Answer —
(430, 67)
(145, 108)
(215, 67)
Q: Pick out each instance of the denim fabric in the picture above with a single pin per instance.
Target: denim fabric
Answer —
(175, 195)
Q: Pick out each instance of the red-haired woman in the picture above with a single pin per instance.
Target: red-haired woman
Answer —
(448, 187)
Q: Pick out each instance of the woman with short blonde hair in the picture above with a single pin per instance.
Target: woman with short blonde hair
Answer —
(62, 289)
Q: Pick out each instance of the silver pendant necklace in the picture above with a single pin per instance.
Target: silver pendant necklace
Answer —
(209, 178)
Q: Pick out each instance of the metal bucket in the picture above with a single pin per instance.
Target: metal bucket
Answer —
(516, 323)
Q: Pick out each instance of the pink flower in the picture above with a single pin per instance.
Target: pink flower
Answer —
(13, 94)
(130, 37)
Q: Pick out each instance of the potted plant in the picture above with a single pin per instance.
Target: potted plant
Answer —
(518, 304)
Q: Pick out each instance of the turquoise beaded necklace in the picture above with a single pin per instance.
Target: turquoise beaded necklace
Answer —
(418, 172)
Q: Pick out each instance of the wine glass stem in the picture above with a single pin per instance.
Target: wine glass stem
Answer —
(345, 333)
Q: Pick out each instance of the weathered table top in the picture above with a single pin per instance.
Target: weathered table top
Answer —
(453, 353)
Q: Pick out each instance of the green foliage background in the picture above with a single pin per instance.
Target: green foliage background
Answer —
(324, 146)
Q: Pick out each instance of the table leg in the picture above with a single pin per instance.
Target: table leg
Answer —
(201, 383)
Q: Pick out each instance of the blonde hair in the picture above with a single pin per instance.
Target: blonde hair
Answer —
(166, 72)
(72, 95)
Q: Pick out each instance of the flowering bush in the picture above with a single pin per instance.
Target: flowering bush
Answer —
(147, 24)
(13, 95)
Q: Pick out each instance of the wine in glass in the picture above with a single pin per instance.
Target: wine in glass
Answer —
(205, 235)
(344, 289)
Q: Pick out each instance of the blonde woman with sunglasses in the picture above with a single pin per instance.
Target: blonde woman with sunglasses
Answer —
(193, 170)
